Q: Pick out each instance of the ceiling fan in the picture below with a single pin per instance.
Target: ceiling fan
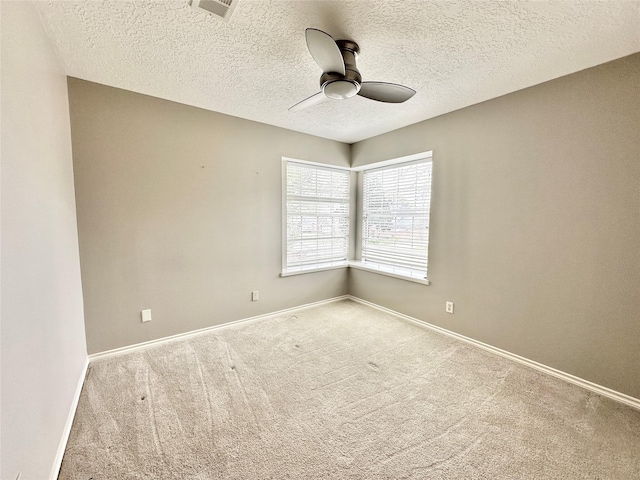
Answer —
(340, 78)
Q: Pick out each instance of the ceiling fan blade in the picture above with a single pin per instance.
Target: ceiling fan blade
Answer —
(386, 92)
(308, 102)
(324, 51)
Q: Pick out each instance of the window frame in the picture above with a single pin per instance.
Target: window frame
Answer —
(297, 270)
(356, 219)
(384, 269)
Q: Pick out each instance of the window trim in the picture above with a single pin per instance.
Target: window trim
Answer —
(289, 271)
(301, 271)
(428, 155)
(388, 268)
(360, 265)
(355, 229)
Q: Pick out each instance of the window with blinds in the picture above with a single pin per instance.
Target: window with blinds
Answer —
(395, 208)
(317, 216)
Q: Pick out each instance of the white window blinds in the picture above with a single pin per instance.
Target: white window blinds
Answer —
(396, 202)
(317, 216)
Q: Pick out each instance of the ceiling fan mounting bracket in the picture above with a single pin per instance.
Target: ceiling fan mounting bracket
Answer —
(349, 45)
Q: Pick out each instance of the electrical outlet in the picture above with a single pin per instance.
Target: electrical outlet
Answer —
(255, 296)
(448, 307)
(146, 315)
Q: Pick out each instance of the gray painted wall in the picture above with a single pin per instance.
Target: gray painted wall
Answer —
(179, 211)
(43, 342)
(535, 223)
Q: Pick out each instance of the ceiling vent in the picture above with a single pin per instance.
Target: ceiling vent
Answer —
(220, 8)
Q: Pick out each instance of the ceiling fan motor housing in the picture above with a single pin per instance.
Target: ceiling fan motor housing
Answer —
(337, 86)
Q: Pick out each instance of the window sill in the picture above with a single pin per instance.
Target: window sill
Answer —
(320, 268)
(382, 271)
(358, 265)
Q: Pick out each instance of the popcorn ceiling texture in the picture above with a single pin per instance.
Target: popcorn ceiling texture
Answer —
(256, 65)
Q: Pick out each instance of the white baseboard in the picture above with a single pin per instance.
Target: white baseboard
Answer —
(594, 387)
(179, 336)
(55, 471)
(567, 377)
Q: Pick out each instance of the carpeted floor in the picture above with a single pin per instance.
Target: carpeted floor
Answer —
(341, 391)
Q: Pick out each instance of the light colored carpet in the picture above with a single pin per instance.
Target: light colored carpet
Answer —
(341, 391)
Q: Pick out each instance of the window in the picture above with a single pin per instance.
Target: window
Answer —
(395, 218)
(394, 238)
(316, 208)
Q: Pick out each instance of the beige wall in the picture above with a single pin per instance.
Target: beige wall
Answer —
(43, 343)
(535, 223)
(179, 211)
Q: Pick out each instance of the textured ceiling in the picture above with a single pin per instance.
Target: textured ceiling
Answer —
(454, 53)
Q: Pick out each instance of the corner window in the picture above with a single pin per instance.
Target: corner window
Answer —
(316, 217)
(395, 218)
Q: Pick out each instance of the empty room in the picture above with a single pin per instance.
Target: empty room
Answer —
(364, 239)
